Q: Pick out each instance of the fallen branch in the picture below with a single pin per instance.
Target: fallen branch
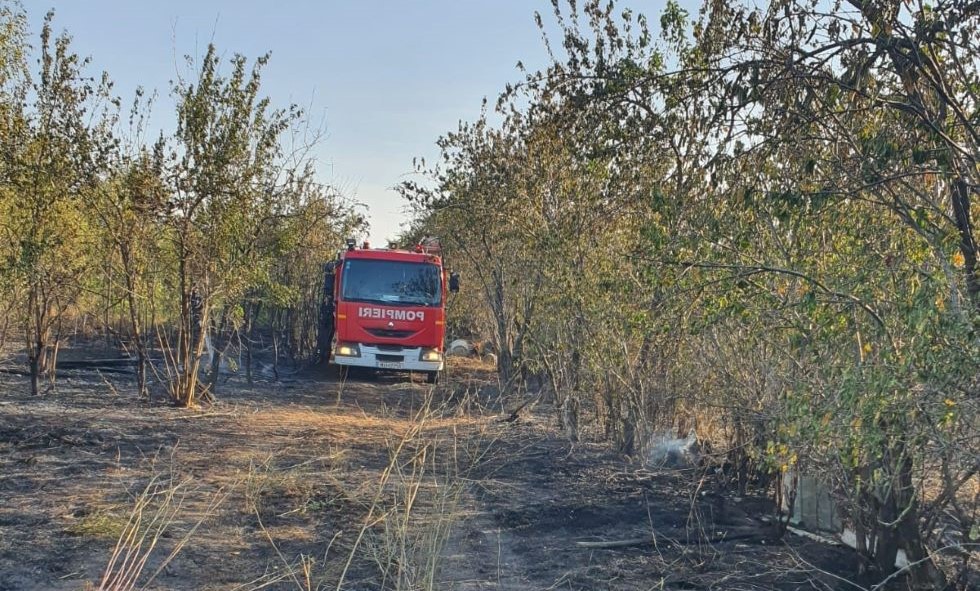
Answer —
(812, 536)
(516, 413)
(64, 371)
(617, 543)
(96, 363)
(654, 540)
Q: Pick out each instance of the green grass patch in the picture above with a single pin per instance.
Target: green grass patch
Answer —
(98, 525)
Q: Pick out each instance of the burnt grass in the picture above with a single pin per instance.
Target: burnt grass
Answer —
(280, 477)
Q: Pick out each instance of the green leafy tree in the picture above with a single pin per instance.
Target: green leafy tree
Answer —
(225, 181)
(128, 211)
(790, 193)
(50, 159)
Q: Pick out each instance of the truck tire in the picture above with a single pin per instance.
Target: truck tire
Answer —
(431, 377)
(341, 372)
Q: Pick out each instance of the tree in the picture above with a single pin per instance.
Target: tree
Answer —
(128, 209)
(13, 72)
(794, 185)
(224, 180)
(50, 161)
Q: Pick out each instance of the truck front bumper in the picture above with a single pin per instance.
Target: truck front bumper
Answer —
(389, 357)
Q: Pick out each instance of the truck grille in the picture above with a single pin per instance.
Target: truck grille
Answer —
(390, 334)
(390, 348)
(383, 357)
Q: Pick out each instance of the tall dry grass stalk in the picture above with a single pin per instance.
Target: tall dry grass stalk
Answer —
(407, 513)
(413, 507)
(420, 512)
(155, 511)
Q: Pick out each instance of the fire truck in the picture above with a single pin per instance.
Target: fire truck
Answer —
(386, 309)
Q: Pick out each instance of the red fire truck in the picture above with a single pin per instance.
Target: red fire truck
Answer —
(386, 309)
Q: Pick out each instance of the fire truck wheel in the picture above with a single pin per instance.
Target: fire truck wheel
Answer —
(342, 372)
(431, 377)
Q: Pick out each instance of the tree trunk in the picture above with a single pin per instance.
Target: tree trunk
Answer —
(251, 317)
(968, 244)
(275, 343)
(134, 324)
(218, 344)
(194, 317)
(505, 352)
(898, 519)
(569, 416)
(37, 342)
(3, 331)
(193, 353)
(33, 362)
(925, 574)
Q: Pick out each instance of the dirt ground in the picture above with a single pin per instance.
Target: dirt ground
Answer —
(376, 483)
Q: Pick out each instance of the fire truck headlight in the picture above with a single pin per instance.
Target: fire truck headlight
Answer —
(348, 350)
(430, 355)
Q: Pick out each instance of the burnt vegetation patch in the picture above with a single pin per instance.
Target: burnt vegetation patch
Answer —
(257, 490)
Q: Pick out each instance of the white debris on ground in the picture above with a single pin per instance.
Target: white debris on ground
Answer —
(459, 348)
(849, 538)
(464, 348)
(666, 450)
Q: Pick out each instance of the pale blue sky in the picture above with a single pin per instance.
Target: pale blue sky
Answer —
(386, 77)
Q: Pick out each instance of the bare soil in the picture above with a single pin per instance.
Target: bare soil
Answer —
(380, 482)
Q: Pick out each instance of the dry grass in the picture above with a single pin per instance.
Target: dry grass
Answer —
(375, 492)
(156, 510)
(406, 511)
(417, 504)
(372, 427)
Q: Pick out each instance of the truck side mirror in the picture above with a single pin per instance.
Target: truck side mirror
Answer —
(453, 281)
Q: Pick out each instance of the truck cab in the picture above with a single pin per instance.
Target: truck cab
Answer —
(388, 309)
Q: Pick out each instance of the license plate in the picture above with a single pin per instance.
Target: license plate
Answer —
(390, 364)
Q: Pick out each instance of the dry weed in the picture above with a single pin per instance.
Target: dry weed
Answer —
(156, 510)
(408, 512)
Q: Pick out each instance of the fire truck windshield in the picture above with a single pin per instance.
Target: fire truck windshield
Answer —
(391, 282)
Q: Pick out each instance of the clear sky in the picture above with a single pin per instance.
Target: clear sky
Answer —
(387, 78)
